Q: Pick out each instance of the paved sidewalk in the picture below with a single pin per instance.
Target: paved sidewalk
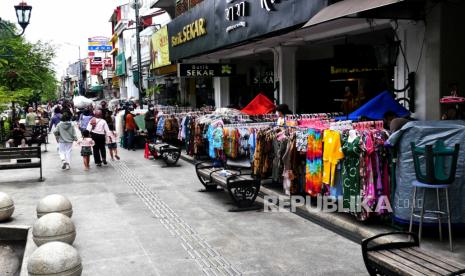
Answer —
(134, 217)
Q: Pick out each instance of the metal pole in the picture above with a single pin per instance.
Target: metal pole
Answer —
(139, 65)
(80, 72)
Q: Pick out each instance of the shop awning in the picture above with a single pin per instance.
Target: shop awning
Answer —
(259, 105)
(376, 107)
(347, 8)
(96, 88)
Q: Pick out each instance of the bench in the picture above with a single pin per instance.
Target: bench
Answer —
(242, 187)
(405, 258)
(37, 135)
(21, 158)
(170, 154)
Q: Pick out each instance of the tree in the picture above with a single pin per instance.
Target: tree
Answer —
(26, 73)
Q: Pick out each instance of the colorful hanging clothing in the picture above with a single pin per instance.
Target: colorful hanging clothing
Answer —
(314, 168)
(351, 171)
(332, 154)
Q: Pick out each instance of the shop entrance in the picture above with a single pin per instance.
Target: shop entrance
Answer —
(255, 74)
(344, 74)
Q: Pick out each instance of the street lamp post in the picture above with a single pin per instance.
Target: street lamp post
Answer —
(136, 5)
(23, 14)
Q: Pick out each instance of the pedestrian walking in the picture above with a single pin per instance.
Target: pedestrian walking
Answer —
(112, 145)
(65, 134)
(98, 128)
(86, 144)
(84, 119)
(130, 129)
(56, 119)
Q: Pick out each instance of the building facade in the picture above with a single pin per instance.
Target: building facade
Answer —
(320, 56)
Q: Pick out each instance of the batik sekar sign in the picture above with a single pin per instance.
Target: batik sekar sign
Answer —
(159, 48)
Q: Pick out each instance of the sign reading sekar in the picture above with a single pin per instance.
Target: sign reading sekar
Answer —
(189, 32)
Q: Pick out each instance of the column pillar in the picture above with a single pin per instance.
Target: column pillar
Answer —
(285, 74)
(221, 86)
(433, 64)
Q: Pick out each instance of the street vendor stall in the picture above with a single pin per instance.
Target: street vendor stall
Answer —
(426, 133)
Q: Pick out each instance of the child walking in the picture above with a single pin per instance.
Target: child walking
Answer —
(86, 144)
(111, 142)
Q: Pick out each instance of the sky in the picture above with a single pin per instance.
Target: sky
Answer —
(66, 24)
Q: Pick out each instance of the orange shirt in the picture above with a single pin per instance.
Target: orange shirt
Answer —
(130, 122)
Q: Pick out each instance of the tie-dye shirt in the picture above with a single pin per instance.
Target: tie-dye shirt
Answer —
(314, 168)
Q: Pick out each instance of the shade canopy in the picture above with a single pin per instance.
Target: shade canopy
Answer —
(376, 107)
(347, 8)
(260, 105)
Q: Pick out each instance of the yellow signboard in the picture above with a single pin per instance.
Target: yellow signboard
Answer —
(159, 53)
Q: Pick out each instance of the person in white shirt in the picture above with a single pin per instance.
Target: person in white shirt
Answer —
(98, 128)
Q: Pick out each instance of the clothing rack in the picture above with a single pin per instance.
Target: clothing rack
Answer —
(263, 124)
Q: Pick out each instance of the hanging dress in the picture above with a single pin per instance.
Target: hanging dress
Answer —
(351, 171)
(314, 168)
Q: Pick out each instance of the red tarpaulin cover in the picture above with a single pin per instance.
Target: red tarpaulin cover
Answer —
(259, 106)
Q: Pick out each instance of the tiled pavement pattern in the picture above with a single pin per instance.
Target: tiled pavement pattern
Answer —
(210, 260)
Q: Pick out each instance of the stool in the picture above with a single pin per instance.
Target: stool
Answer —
(433, 177)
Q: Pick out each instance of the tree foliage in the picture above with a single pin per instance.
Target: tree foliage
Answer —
(26, 72)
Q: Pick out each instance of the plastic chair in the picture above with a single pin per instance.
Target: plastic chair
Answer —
(437, 174)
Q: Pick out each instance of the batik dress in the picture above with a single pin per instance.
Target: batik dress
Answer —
(351, 171)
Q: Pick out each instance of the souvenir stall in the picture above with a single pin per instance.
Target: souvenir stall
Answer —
(319, 156)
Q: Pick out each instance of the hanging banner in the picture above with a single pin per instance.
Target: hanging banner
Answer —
(206, 70)
(159, 53)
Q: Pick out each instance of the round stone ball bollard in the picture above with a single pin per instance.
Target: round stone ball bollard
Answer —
(54, 204)
(7, 207)
(53, 227)
(55, 258)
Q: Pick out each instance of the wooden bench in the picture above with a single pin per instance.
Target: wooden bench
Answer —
(405, 258)
(37, 135)
(21, 158)
(170, 154)
(242, 187)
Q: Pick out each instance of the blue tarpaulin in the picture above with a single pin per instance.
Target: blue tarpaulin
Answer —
(376, 107)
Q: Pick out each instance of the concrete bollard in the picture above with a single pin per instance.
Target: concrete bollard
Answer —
(53, 227)
(7, 207)
(54, 204)
(55, 258)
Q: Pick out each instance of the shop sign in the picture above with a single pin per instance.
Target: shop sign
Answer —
(232, 22)
(159, 48)
(266, 78)
(165, 70)
(120, 64)
(235, 12)
(190, 32)
(99, 43)
(345, 70)
(206, 70)
(268, 5)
